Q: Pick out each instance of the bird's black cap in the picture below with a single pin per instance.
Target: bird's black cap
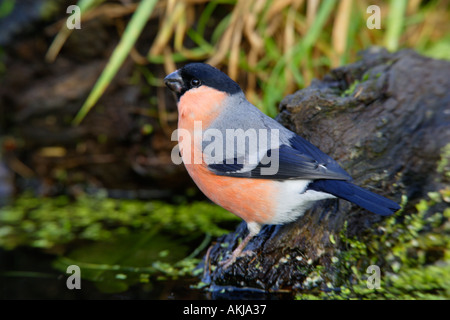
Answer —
(194, 75)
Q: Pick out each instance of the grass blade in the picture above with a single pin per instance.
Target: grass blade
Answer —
(131, 33)
(340, 32)
(395, 23)
(274, 87)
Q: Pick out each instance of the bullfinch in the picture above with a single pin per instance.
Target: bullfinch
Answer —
(250, 164)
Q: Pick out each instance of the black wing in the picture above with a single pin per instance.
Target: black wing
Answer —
(299, 160)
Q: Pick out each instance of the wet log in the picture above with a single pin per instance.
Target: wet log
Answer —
(385, 119)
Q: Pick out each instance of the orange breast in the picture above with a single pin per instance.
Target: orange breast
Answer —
(250, 199)
(200, 104)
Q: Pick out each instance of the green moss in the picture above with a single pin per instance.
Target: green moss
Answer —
(443, 166)
(6, 7)
(47, 222)
(351, 89)
(412, 250)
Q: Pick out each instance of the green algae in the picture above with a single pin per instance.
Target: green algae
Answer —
(411, 249)
(116, 243)
(49, 222)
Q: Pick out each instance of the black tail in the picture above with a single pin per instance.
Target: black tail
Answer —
(360, 196)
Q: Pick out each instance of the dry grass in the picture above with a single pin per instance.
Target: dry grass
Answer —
(274, 47)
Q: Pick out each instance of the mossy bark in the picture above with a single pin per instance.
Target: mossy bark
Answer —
(385, 119)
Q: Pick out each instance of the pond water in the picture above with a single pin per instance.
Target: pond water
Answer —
(29, 274)
(125, 249)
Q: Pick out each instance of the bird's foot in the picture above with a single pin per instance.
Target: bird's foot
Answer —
(254, 228)
(228, 262)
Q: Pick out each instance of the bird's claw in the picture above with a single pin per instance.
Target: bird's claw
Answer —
(228, 262)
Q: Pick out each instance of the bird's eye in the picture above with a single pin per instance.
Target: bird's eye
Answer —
(195, 82)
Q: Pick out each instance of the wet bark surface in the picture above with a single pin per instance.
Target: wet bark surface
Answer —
(385, 119)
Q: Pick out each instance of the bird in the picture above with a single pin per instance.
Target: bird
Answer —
(250, 164)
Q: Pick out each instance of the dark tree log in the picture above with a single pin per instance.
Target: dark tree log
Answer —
(385, 119)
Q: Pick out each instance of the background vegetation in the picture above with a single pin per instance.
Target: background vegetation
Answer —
(279, 46)
(270, 47)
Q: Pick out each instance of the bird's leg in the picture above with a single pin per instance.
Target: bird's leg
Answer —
(253, 229)
(237, 252)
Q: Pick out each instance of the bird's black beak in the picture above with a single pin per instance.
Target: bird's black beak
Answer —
(174, 82)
